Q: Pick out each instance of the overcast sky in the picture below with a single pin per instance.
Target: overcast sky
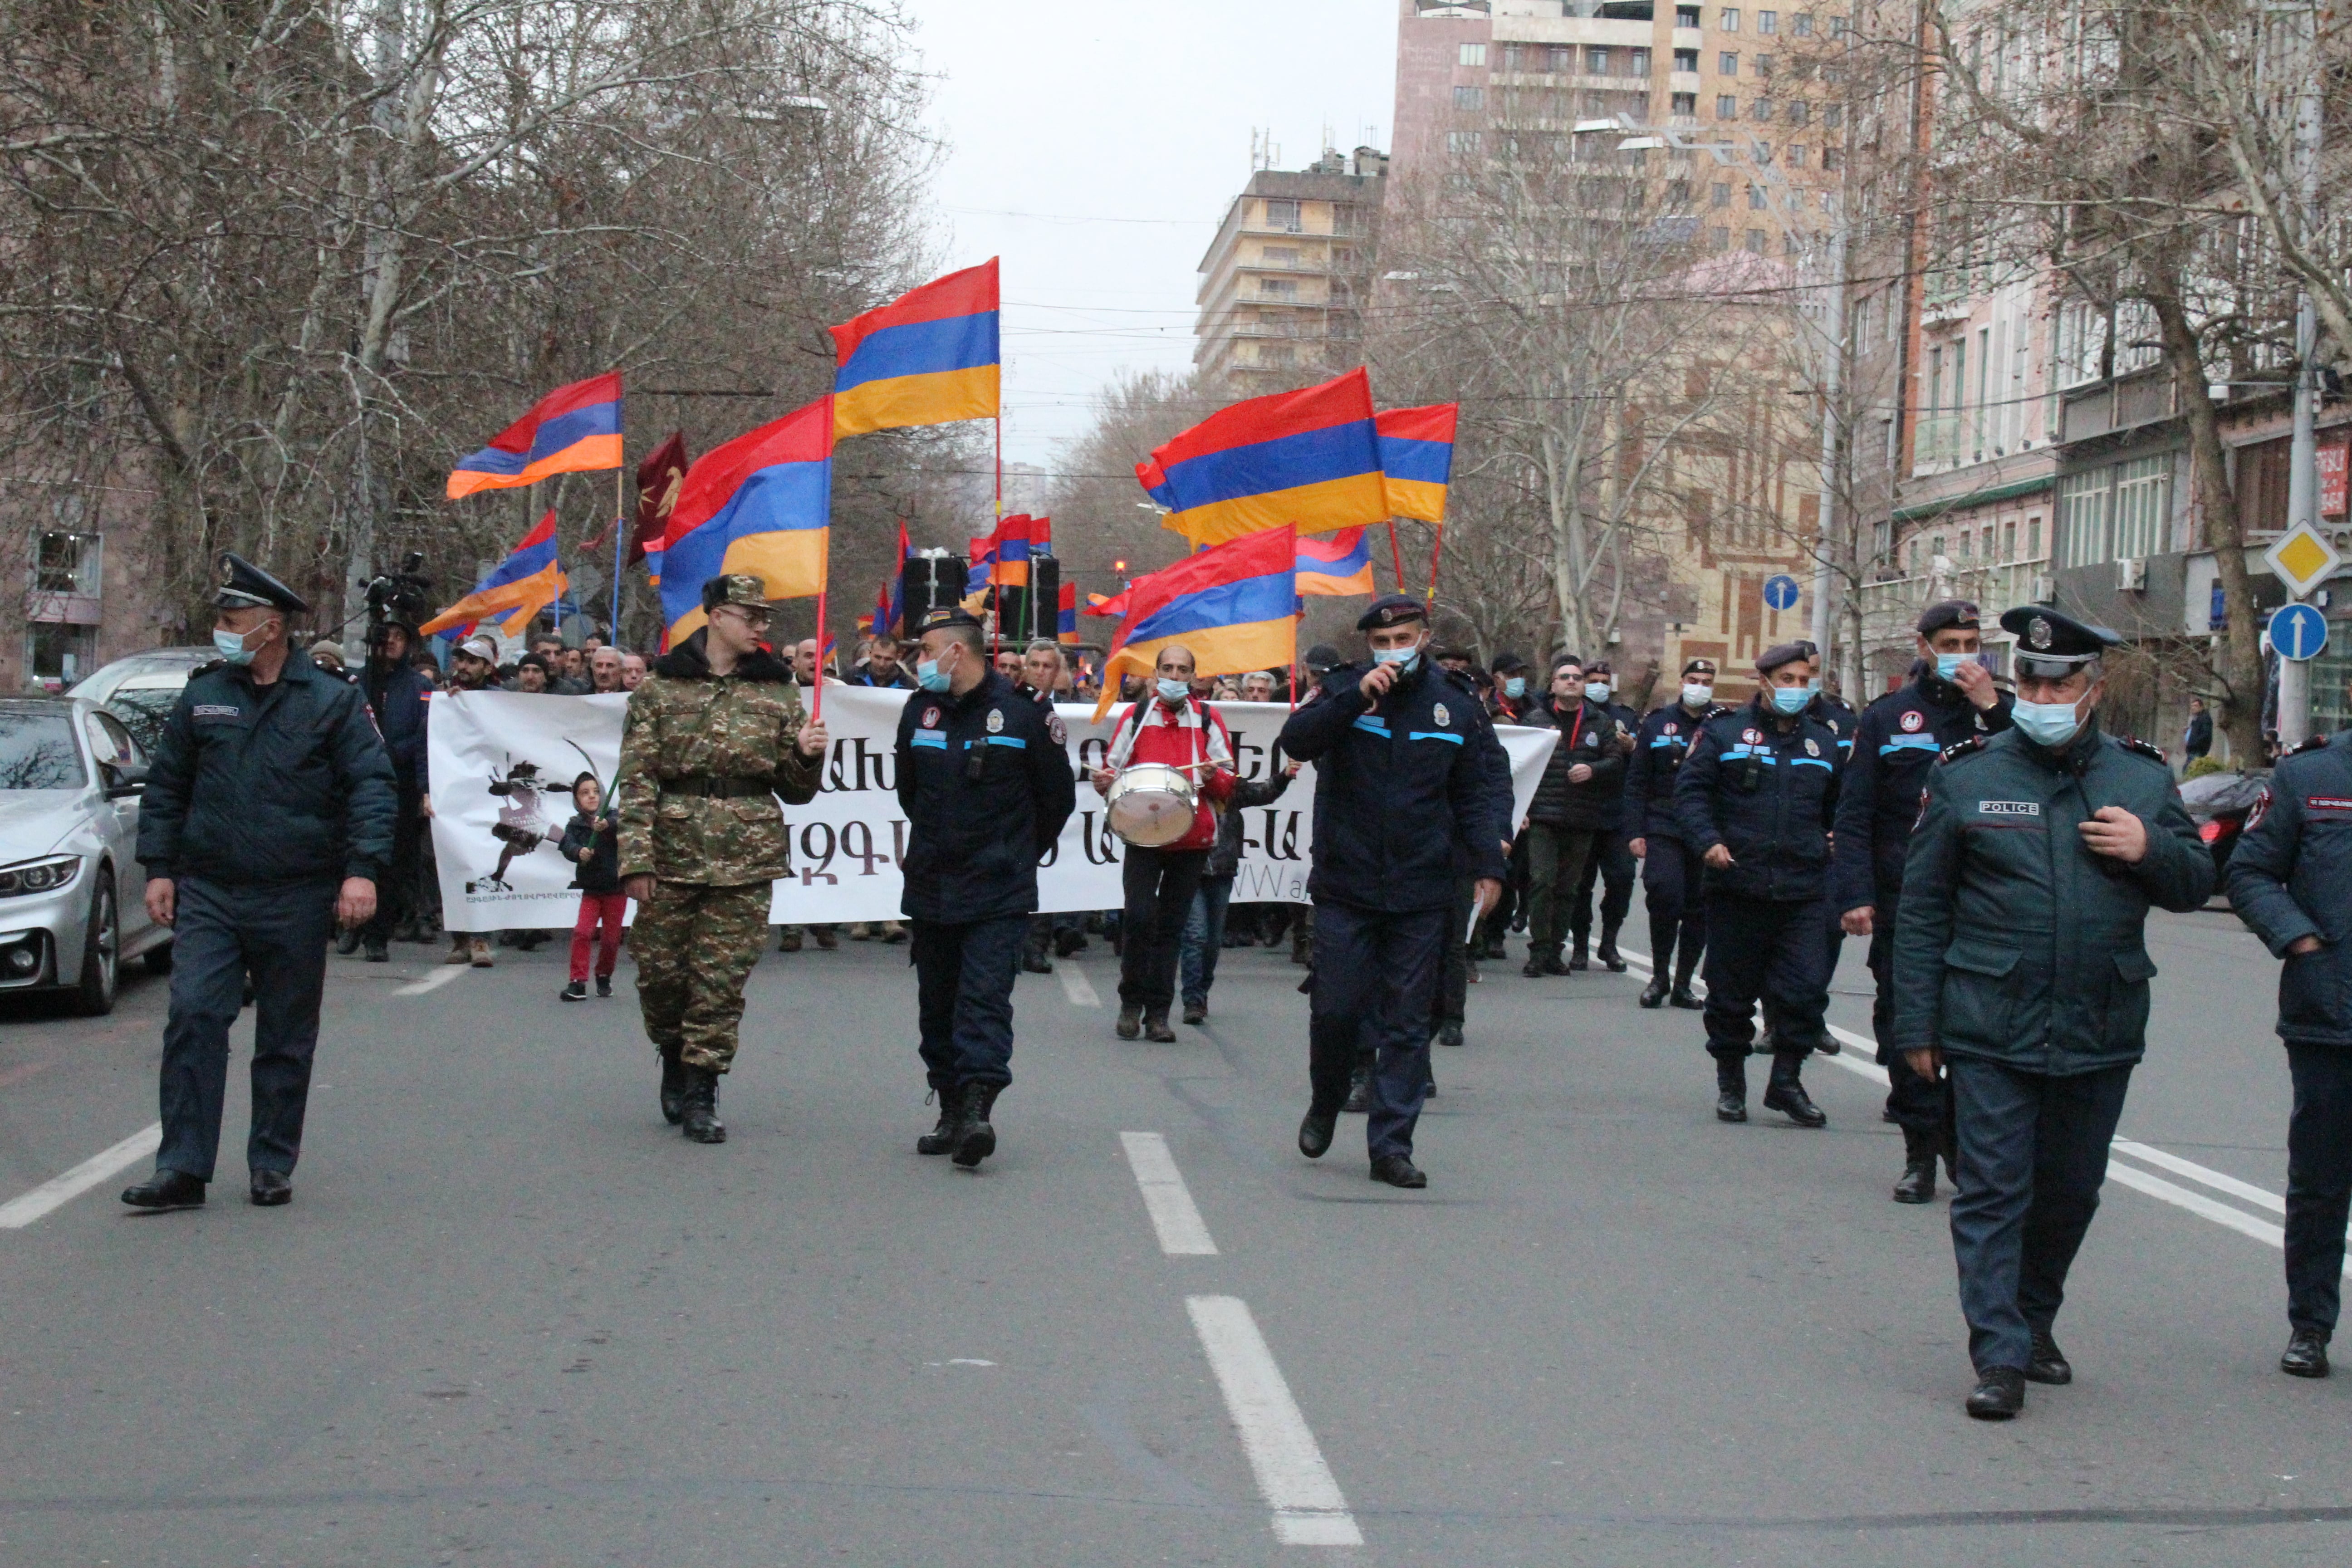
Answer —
(1096, 144)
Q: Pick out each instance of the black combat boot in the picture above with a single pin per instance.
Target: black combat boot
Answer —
(941, 1139)
(1537, 955)
(1918, 1183)
(1731, 1088)
(1785, 1092)
(1579, 958)
(1359, 1092)
(673, 1085)
(702, 1123)
(1130, 1021)
(1686, 965)
(1653, 995)
(1607, 952)
(976, 1140)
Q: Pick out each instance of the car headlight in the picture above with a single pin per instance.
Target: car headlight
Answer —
(43, 875)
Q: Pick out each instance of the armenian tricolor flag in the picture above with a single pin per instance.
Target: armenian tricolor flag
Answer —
(1233, 606)
(1012, 544)
(1107, 604)
(1417, 455)
(1339, 564)
(1065, 621)
(525, 583)
(1308, 459)
(927, 358)
(574, 429)
(761, 503)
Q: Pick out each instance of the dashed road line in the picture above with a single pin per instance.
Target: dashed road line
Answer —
(1182, 1232)
(57, 1191)
(433, 982)
(1076, 985)
(1308, 1510)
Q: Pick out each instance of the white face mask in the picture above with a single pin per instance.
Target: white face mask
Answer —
(1694, 696)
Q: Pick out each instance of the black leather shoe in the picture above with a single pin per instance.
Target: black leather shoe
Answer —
(2048, 1363)
(1196, 1012)
(1036, 964)
(702, 1125)
(1314, 1130)
(1653, 995)
(271, 1189)
(166, 1190)
(976, 1139)
(1998, 1395)
(1917, 1182)
(378, 952)
(1787, 1096)
(1449, 1035)
(1730, 1104)
(2306, 1354)
(1681, 997)
(1359, 1095)
(1156, 1029)
(1578, 959)
(1131, 1022)
(1399, 1172)
(348, 942)
(673, 1087)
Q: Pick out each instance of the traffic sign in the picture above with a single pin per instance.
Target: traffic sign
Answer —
(2302, 559)
(1780, 590)
(2298, 631)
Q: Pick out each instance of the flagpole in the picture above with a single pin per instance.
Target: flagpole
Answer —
(1436, 544)
(1396, 555)
(996, 635)
(620, 503)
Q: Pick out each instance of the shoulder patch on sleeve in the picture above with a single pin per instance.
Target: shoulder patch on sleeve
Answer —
(2135, 744)
(1958, 749)
(2314, 743)
(1057, 730)
(2260, 809)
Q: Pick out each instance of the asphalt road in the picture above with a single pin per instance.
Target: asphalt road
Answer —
(511, 1318)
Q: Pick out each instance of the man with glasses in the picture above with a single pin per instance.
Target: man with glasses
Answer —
(713, 736)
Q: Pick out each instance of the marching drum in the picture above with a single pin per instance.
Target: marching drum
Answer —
(1151, 805)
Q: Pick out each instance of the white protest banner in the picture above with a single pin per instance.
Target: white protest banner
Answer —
(503, 764)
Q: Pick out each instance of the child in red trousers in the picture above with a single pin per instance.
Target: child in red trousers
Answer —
(592, 841)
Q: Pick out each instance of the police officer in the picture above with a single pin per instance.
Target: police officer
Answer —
(2020, 966)
(267, 821)
(1403, 803)
(2291, 879)
(984, 780)
(396, 692)
(711, 737)
(1754, 800)
(1670, 867)
(1949, 699)
(1611, 864)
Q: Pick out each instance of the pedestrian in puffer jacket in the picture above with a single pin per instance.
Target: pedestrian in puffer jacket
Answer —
(1573, 804)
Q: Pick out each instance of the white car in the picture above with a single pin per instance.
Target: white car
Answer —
(72, 895)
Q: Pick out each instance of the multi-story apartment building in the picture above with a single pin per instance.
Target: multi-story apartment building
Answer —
(82, 598)
(1283, 283)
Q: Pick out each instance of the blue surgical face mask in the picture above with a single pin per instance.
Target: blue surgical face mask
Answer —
(1598, 690)
(1790, 698)
(1948, 665)
(1402, 657)
(231, 647)
(1174, 691)
(2050, 724)
(1515, 686)
(928, 676)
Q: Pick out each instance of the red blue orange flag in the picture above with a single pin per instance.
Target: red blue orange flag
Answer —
(1015, 539)
(1339, 564)
(574, 429)
(927, 358)
(1417, 455)
(1234, 605)
(1107, 604)
(1308, 459)
(1066, 622)
(760, 504)
(525, 583)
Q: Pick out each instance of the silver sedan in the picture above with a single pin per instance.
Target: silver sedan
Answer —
(72, 890)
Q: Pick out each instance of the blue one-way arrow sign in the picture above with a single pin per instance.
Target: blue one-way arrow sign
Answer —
(2298, 631)
(1780, 590)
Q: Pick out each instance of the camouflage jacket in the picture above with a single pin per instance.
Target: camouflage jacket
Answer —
(687, 726)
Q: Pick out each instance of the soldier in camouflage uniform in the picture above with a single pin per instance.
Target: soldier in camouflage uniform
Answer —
(713, 736)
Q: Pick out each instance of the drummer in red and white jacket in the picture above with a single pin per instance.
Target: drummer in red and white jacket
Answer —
(1168, 727)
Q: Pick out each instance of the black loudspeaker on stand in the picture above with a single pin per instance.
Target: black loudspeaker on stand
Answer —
(930, 580)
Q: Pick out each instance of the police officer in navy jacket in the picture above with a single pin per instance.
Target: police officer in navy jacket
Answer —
(1670, 868)
(1403, 802)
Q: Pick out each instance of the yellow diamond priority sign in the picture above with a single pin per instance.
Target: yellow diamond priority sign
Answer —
(2302, 559)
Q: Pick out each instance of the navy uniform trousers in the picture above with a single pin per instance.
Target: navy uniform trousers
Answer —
(279, 931)
(1757, 949)
(1916, 1103)
(2033, 1151)
(1375, 975)
(963, 998)
(1670, 882)
(1613, 859)
(2318, 1182)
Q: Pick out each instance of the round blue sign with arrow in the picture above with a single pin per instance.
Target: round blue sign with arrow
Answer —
(1780, 590)
(2298, 631)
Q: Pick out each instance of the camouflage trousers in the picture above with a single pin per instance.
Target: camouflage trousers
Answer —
(695, 945)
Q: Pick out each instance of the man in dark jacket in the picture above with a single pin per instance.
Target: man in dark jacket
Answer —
(2020, 964)
(267, 822)
(1949, 699)
(1670, 868)
(1754, 802)
(1583, 783)
(1404, 804)
(396, 693)
(985, 784)
(2291, 880)
(1610, 866)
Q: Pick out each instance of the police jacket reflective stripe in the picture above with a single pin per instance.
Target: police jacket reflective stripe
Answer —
(2290, 876)
(984, 781)
(1404, 795)
(1765, 786)
(281, 782)
(1897, 740)
(2016, 943)
(1661, 742)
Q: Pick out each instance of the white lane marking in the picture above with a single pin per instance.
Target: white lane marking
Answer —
(1308, 1510)
(57, 1191)
(1182, 1232)
(433, 982)
(1076, 985)
(2131, 1176)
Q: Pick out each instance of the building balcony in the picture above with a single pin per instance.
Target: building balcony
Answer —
(2106, 406)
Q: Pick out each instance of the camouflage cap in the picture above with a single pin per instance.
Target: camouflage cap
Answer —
(735, 588)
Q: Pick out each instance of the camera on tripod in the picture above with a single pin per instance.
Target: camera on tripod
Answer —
(399, 598)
